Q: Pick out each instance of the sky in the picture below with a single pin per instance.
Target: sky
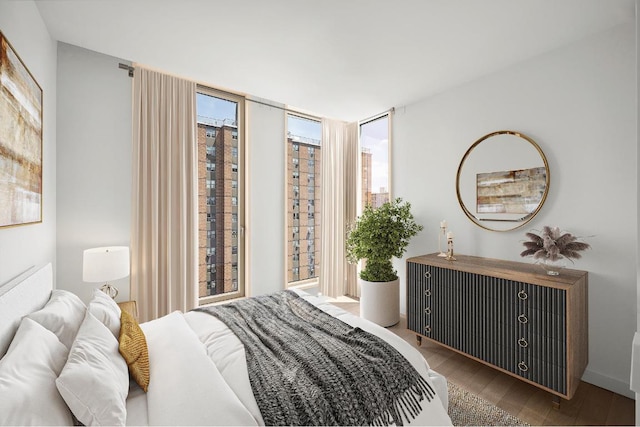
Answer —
(215, 108)
(374, 135)
(307, 128)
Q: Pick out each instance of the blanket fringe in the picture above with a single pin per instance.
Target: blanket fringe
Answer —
(406, 407)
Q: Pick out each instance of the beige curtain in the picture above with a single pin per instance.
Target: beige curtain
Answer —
(350, 199)
(338, 191)
(164, 227)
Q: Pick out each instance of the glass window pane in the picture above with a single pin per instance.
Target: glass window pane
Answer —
(303, 165)
(374, 148)
(218, 164)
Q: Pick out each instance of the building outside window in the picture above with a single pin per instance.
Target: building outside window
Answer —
(220, 121)
(303, 147)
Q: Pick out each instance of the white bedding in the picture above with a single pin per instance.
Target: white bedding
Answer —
(198, 369)
(199, 375)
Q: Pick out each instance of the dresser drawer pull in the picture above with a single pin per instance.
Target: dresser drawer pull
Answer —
(523, 367)
(523, 319)
(427, 310)
(523, 343)
(427, 329)
(523, 295)
(427, 275)
(427, 293)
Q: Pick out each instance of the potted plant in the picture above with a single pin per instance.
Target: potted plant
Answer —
(376, 236)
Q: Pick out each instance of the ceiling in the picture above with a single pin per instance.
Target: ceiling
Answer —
(345, 59)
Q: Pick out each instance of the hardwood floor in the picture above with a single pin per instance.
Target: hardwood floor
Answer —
(591, 405)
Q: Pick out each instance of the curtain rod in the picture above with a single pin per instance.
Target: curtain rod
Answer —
(126, 67)
(377, 116)
(255, 101)
(130, 69)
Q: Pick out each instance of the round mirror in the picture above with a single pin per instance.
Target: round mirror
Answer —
(502, 180)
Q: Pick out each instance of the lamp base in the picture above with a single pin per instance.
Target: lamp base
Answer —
(110, 290)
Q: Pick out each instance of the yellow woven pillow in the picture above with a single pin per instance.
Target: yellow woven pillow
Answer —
(133, 347)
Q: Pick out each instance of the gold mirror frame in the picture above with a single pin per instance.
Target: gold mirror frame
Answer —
(482, 222)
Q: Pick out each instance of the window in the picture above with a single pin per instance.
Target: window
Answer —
(303, 164)
(220, 141)
(374, 161)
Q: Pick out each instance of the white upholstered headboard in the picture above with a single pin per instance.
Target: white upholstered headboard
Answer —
(27, 293)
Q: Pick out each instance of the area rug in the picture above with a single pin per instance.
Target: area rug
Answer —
(467, 409)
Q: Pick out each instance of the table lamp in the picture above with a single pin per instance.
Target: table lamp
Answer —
(105, 264)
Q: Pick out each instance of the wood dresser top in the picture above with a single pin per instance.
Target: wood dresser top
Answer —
(510, 270)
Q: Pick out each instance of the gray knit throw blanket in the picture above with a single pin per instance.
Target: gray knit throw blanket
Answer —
(308, 368)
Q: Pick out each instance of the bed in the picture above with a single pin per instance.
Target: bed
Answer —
(60, 364)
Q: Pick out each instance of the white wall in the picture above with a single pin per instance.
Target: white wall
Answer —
(579, 104)
(266, 198)
(637, 396)
(24, 246)
(94, 162)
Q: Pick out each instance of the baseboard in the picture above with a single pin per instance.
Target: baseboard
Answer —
(608, 383)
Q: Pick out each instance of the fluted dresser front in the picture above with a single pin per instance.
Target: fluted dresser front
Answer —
(509, 315)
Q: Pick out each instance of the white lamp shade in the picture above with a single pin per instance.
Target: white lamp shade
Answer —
(104, 264)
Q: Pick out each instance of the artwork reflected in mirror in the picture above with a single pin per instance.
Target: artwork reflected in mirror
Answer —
(515, 191)
(502, 180)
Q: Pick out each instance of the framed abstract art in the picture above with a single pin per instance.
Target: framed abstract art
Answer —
(20, 141)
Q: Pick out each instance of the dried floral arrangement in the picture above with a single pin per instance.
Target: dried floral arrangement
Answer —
(553, 244)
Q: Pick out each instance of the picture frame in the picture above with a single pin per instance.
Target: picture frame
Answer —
(20, 140)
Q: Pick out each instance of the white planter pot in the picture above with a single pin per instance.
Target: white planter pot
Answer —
(380, 302)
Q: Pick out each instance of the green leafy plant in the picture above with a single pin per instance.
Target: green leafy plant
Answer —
(553, 244)
(378, 235)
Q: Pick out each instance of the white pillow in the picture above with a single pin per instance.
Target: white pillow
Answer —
(27, 378)
(95, 380)
(106, 310)
(62, 315)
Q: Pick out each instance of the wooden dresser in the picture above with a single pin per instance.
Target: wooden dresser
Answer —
(509, 315)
